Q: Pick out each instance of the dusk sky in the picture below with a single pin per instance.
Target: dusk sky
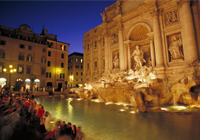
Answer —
(69, 20)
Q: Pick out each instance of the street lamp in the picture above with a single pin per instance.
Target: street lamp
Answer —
(11, 70)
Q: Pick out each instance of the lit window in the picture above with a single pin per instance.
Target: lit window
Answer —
(81, 60)
(76, 59)
(20, 69)
(29, 58)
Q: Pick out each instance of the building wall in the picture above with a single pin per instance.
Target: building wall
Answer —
(75, 69)
(151, 25)
(34, 58)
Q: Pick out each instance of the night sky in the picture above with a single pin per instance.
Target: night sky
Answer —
(69, 20)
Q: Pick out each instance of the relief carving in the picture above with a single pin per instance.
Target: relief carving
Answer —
(114, 38)
(171, 17)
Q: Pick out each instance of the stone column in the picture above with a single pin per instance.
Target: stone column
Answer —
(84, 63)
(157, 39)
(106, 52)
(129, 56)
(91, 60)
(99, 55)
(121, 47)
(189, 41)
(152, 51)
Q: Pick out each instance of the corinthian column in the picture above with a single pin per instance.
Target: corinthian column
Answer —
(121, 47)
(157, 40)
(189, 41)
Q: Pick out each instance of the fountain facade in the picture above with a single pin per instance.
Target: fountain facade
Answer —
(145, 53)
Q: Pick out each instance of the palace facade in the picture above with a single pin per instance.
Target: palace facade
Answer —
(164, 34)
(39, 59)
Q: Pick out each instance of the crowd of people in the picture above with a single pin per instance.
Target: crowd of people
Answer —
(22, 118)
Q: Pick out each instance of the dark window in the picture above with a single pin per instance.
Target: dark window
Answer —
(81, 73)
(48, 74)
(95, 64)
(76, 73)
(28, 70)
(44, 50)
(21, 46)
(21, 57)
(77, 66)
(95, 44)
(88, 66)
(81, 67)
(30, 47)
(2, 54)
(62, 55)
(2, 42)
(43, 71)
(62, 75)
(62, 65)
(88, 47)
(68, 67)
(49, 63)
(49, 53)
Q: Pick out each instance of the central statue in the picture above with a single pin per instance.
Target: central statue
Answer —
(138, 58)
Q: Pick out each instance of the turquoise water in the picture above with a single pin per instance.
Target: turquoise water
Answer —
(114, 122)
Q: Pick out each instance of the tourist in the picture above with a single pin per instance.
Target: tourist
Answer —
(79, 134)
(73, 132)
(69, 129)
(40, 112)
(47, 122)
(55, 133)
(63, 128)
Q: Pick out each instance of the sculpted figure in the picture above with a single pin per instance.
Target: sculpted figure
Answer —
(138, 58)
(175, 49)
(116, 61)
(118, 11)
(103, 16)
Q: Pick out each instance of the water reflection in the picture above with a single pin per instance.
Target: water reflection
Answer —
(106, 122)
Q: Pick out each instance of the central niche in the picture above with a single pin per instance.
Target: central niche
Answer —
(138, 33)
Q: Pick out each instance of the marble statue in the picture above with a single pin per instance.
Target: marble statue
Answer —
(175, 49)
(118, 11)
(116, 61)
(103, 16)
(138, 58)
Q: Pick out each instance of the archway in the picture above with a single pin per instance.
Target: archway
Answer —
(18, 84)
(3, 82)
(37, 84)
(28, 84)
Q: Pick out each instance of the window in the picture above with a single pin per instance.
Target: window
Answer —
(42, 71)
(21, 57)
(44, 50)
(2, 42)
(2, 54)
(20, 69)
(81, 73)
(95, 64)
(62, 47)
(76, 59)
(28, 70)
(29, 58)
(21, 46)
(62, 75)
(62, 55)
(95, 44)
(68, 67)
(103, 41)
(43, 60)
(62, 65)
(77, 66)
(88, 47)
(81, 67)
(71, 67)
(49, 63)
(76, 73)
(30, 47)
(81, 60)
(104, 63)
(48, 74)
(77, 79)
(88, 66)
(1, 68)
(49, 53)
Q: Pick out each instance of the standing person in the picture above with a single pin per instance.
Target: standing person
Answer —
(47, 122)
(63, 128)
(73, 132)
(69, 129)
(79, 134)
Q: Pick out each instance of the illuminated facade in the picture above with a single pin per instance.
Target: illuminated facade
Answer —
(75, 69)
(167, 32)
(40, 59)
